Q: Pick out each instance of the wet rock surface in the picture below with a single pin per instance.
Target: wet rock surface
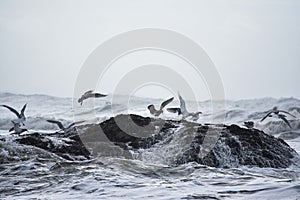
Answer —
(212, 145)
(68, 148)
(237, 146)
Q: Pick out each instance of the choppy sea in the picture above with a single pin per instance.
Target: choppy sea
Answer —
(28, 172)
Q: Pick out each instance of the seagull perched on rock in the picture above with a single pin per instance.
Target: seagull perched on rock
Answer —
(277, 113)
(90, 94)
(61, 126)
(249, 124)
(155, 112)
(21, 116)
(17, 128)
(183, 111)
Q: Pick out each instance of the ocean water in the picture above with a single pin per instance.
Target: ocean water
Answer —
(31, 173)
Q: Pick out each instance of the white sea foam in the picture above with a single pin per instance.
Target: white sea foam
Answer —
(28, 172)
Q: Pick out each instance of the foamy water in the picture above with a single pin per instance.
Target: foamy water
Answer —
(29, 172)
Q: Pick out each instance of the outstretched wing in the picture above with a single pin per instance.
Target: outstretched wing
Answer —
(12, 110)
(97, 95)
(88, 92)
(267, 115)
(23, 110)
(59, 124)
(72, 124)
(174, 110)
(287, 113)
(182, 104)
(79, 122)
(285, 120)
(163, 104)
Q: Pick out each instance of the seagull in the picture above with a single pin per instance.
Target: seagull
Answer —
(17, 128)
(249, 124)
(195, 116)
(61, 126)
(183, 111)
(155, 112)
(21, 116)
(283, 117)
(277, 113)
(90, 94)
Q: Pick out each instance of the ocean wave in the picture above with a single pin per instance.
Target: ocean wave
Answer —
(43, 107)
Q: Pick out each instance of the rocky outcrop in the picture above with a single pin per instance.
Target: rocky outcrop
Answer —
(237, 146)
(212, 145)
(70, 148)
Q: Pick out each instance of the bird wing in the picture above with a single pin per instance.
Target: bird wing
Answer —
(266, 116)
(174, 110)
(163, 104)
(59, 124)
(10, 130)
(85, 96)
(23, 110)
(182, 104)
(88, 92)
(285, 120)
(97, 95)
(79, 122)
(72, 124)
(12, 110)
(287, 113)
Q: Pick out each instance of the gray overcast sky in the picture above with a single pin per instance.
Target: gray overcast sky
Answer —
(254, 44)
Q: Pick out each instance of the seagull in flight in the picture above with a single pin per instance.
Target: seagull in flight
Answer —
(21, 116)
(277, 113)
(283, 117)
(183, 111)
(155, 112)
(17, 128)
(90, 94)
(61, 126)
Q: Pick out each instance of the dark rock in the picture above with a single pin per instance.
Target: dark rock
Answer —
(67, 148)
(238, 146)
(228, 146)
(141, 134)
